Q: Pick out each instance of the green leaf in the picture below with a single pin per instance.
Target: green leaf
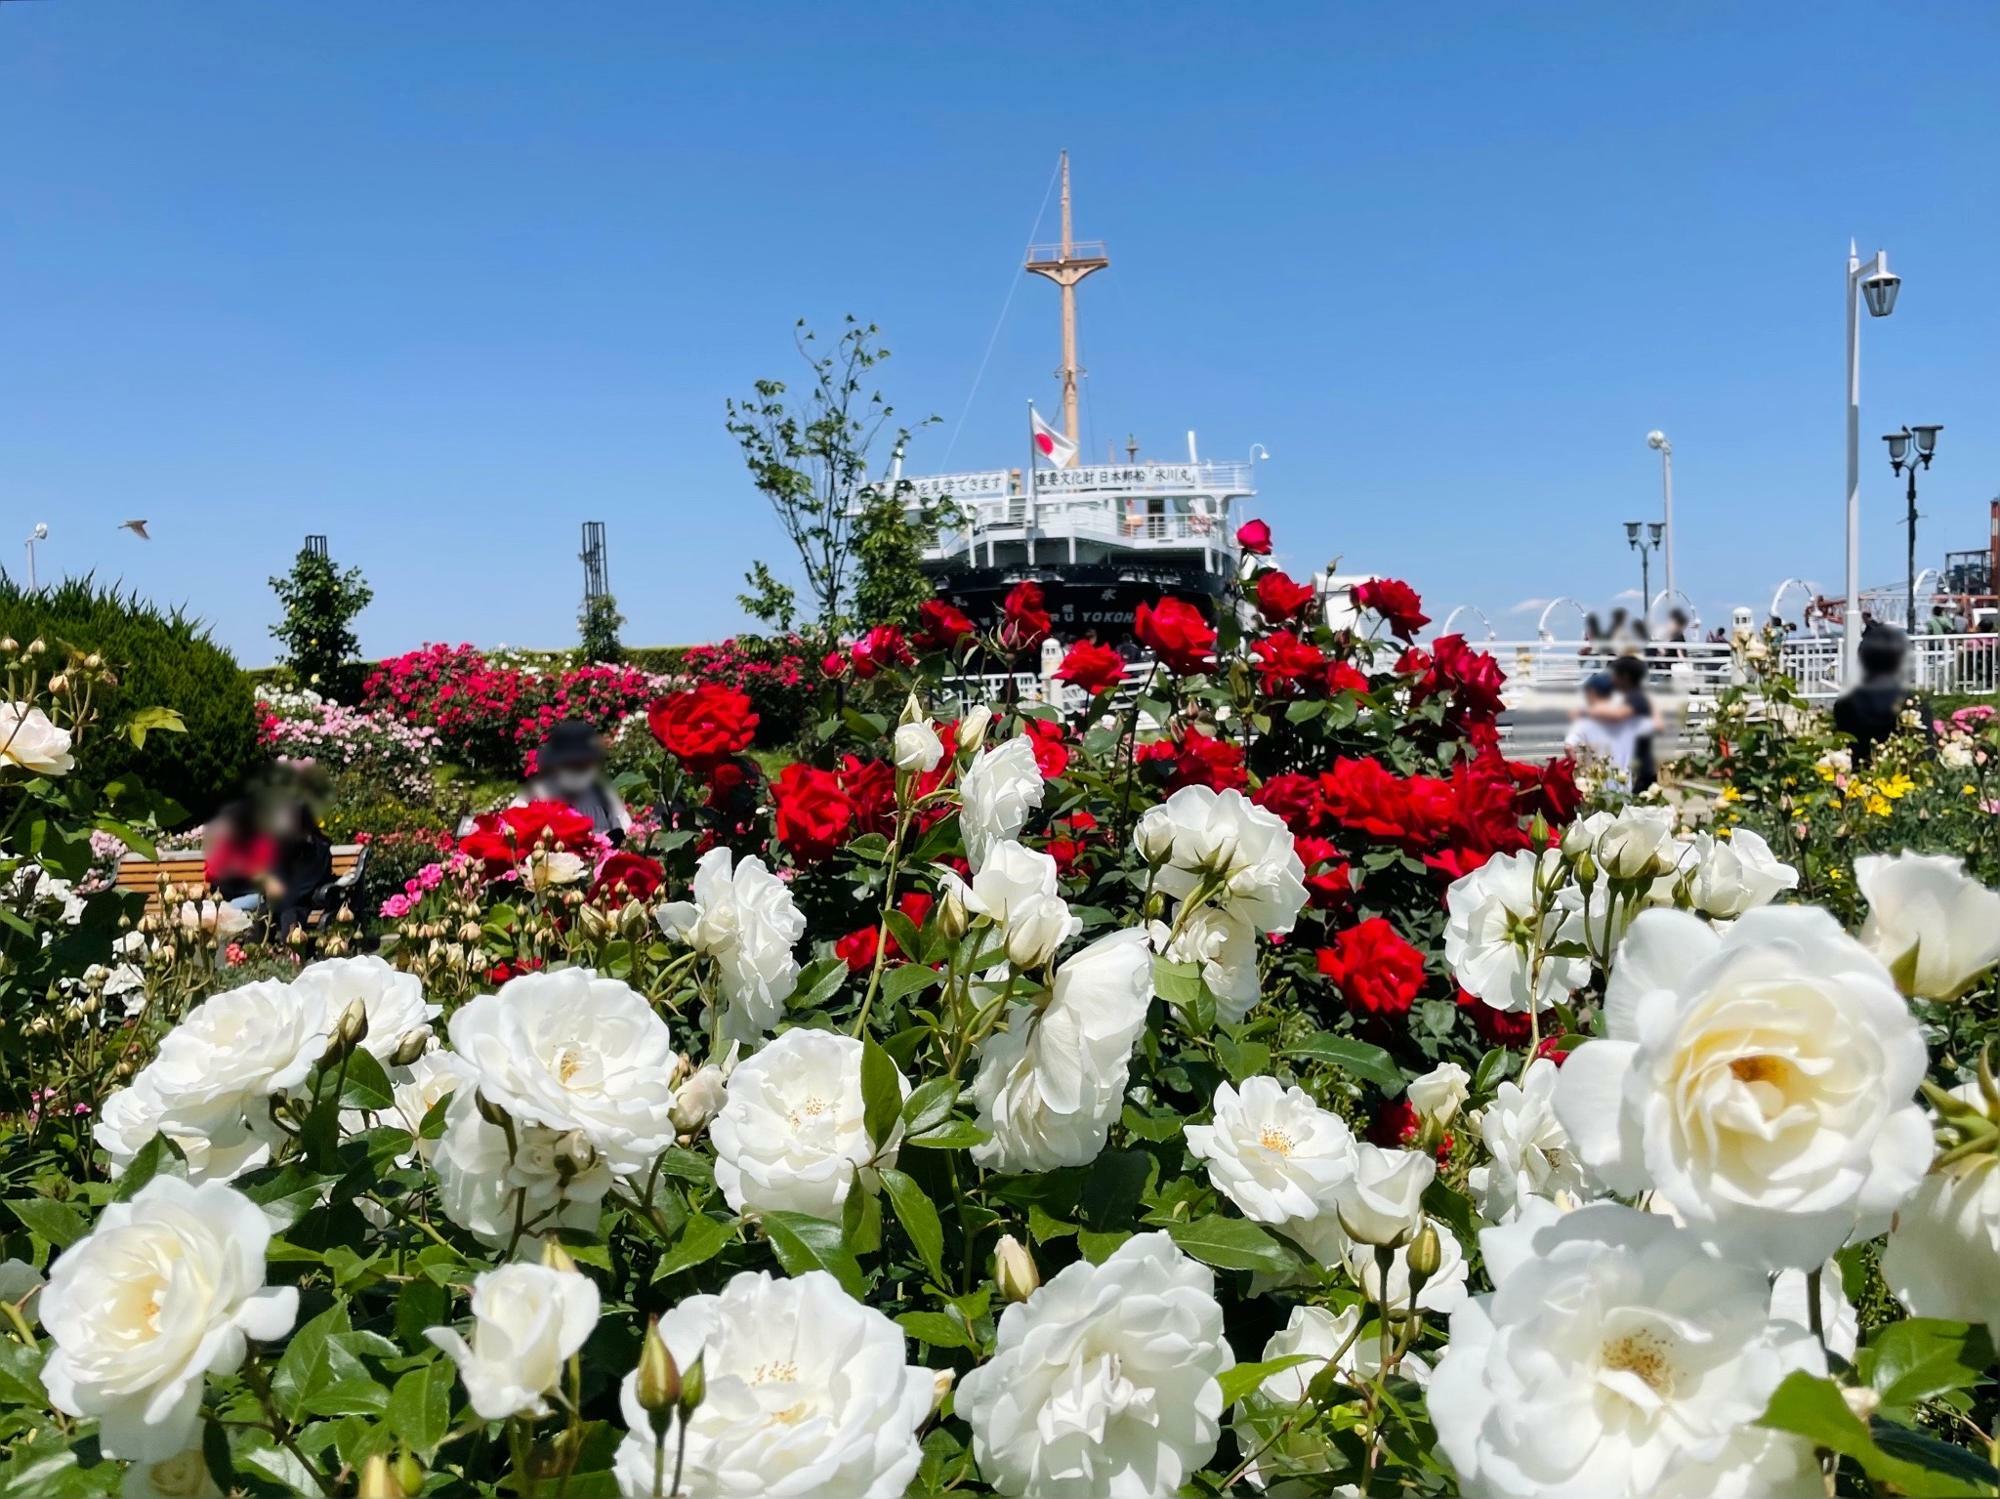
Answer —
(911, 978)
(1370, 1063)
(21, 1374)
(803, 1243)
(919, 1219)
(420, 1406)
(701, 1240)
(1233, 1244)
(1921, 1358)
(153, 720)
(1814, 1409)
(1179, 984)
(316, 1364)
(1244, 1378)
(953, 1134)
(1301, 712)
(818, 984)
(939, 1329)
(58, 1222)
(367, 1085)
(929, 1105)
(153, 1155)
(881, 1093)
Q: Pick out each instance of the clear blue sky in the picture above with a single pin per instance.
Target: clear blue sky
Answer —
(444, 280)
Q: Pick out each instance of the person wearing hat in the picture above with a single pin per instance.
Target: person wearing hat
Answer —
(569, 768)
(1872, 710)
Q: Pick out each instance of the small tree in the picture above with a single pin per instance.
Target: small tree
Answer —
(889, 543)
(320, 603)
(810, 460)
(597, 622)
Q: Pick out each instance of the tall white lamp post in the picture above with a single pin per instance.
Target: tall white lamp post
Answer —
(1657, 441)
(1877, 287)
(40, 533)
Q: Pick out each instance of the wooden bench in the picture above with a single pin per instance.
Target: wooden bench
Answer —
(142, 875)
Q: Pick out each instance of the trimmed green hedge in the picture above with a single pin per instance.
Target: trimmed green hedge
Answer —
(162, 660)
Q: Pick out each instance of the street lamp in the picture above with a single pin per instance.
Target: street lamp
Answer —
(1901, 457)
(40, 533)
(1876, 286)
(1644, 538)
(1657, 441)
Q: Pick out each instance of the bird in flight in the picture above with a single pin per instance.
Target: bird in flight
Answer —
(136, 527)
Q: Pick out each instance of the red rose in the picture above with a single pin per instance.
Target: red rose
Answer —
(813, 814)
(1341, 677)
(1175, 632)
(703, 726)
(1396, 602)
(1547, 1047)
(833, 665)
(1046, 739)
(504, 970)
(1329, 882)
(1284, 661)
(1471, 678)
(628, 876)
(857, 948)
(1280, 598)
(870, 788)
(1069, 842)
(881, 647)
(1093, 667)
(1024, 623)
(1254, 537)
(941, 626)
(1197, 760)
(1377, 972)
(1363, 796)
(500, 840)
(1398, 1126)
(1495, 1027)
(1293, 797)
(1555, 794)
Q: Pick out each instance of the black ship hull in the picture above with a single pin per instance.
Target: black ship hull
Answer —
(1081, 598)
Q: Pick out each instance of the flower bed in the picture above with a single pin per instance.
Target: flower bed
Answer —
(1301, 1097)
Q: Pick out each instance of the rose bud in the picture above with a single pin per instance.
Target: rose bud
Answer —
(1014, 1269)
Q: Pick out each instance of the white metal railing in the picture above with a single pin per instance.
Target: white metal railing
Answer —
(1938, 664)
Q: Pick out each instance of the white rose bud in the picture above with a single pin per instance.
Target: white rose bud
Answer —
(1382, 1203)
(1438, 1093)
(1014, 1269)
(972, 730)
(1036, 927)
(918, 748)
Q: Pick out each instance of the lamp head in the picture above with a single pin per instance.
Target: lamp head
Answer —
(41, 530)
(1657, 440)
(1899, 448)
(1879, 292)
(1657, 529)
(1926, 441)
(1632, 532)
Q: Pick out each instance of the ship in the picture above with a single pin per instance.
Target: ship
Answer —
(1099, 539)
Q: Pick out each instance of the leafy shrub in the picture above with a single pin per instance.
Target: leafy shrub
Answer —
(164, 659)
(320, 603)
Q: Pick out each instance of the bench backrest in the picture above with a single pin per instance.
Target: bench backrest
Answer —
(137, 872)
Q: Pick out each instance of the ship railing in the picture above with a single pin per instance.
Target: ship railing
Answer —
(1700, 669)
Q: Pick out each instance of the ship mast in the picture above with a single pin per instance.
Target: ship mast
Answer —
(1066, 264)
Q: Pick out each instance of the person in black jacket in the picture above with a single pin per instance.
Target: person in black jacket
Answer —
(1872, 710)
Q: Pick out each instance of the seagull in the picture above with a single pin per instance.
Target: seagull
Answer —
(136, 527)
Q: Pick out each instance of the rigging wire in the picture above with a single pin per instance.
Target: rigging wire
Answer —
(1013, 284)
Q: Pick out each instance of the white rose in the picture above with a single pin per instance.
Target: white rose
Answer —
(997, 792)
(393, 1000)
(568, 1050)
(1015, 889)
(217, 1143)
(547, 1180)
(1531, 1152)
(972, 729)
(1933, 927)
(1102, 1384)
(212, 918)
(29, 740)
(917, 747)
(1382, 1201)
(1943, 1254)
(791, 1134)
(1492, 928)
(526, 1322)
(1328, 1335)
(1614, 1358)
(1438, 1094)
(1761, 1081)
(1052, 1083)
(1636, 844)
(745, 919)
(1223, 836)
(164, 1289)
(809, 1395)
(1728, 876)
(182, 1476)
(1444, 1292)
(1226, 948)
(550, 869)
(416, 1089)
(1789, 1303)
(1274, 1152)
(1956, 753)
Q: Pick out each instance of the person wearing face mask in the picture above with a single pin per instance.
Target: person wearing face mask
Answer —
(569, 769)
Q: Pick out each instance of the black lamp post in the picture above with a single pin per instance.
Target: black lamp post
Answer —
(1644, 538)
(1911, 449)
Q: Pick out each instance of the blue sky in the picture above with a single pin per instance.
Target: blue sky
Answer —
(444, 280)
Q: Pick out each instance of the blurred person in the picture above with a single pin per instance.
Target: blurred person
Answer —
(569, 768)
(1607, 740)
(1872, 710)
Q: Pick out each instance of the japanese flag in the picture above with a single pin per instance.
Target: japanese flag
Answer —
(1051, 444)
